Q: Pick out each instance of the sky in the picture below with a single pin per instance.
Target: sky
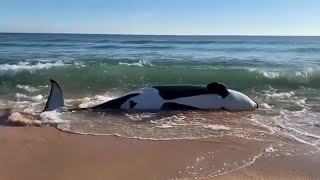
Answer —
(178, 17)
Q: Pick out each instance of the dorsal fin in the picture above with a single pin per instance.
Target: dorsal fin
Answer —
(218, 88)
(55, 99)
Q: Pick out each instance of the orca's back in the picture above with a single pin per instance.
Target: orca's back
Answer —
(170, 92)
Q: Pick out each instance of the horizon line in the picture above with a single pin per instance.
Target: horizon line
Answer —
(138, 34)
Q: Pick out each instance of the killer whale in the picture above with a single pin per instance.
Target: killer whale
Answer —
(214, 96)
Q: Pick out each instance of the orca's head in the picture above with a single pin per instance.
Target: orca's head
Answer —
(236, 101)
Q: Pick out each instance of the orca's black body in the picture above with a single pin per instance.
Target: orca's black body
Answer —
(214, 96)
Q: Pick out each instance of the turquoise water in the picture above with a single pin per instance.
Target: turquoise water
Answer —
(102, 62)
(281, 73)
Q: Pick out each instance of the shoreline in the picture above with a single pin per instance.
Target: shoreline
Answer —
(47, 153)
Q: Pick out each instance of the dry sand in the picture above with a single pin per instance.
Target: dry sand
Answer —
(47, 153)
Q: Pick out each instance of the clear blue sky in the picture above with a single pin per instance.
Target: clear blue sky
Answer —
(230, 17)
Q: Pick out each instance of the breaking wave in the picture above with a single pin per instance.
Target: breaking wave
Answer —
(123, 74)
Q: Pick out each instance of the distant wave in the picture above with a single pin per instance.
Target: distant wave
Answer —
(35, 44)
(181, 42)
(27, 66)
(72, 42)
(153, 47)
(106, 47)
(210, 42)
(103, 41)
(303, 50)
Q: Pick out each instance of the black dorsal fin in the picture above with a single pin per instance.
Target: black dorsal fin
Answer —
(218, 88)
(55, 99)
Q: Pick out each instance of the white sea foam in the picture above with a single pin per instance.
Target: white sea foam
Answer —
(301, 102)
(27, 88)
(33, 98)
(270, 149)
(271, 74)
(53, 117)
(97, 99)
(217, 127)
(141, 63)
(296, 125)
(301, 76)
(281, 95)
(165, 126)
(264, 106)
(28, 66)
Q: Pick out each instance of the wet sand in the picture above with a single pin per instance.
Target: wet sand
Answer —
(47, 153)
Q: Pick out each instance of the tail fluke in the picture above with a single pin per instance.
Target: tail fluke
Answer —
(55, 99)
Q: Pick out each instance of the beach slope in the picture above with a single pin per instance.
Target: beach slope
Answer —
(46, 153)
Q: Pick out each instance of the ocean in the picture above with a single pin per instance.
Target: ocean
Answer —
(282, 74)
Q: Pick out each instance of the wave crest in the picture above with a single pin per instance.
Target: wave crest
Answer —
(143, 62)
(28, 66)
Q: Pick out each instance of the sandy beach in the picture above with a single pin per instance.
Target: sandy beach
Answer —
(47, 153)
